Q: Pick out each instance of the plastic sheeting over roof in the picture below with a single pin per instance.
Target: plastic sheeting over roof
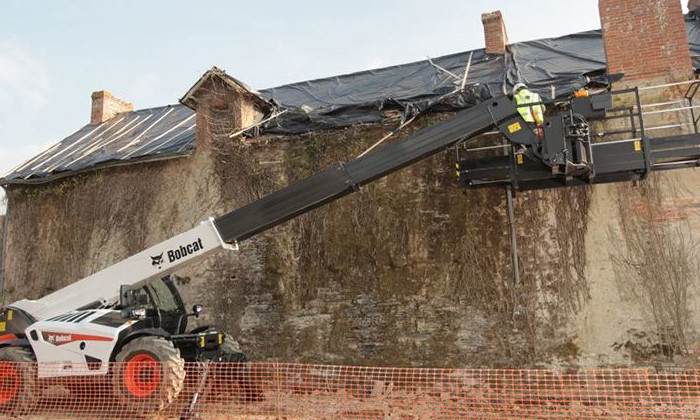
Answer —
(557, 65)
(147, 134)
(553, 67)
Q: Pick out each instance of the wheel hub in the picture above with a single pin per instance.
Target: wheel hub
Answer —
(142, 375)
(9, 381)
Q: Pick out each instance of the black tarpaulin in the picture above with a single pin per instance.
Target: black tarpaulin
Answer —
(554, 67)
(559, 66)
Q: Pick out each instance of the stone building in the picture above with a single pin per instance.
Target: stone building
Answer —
(410, 271)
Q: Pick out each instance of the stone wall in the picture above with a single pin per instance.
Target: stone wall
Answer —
(643, 264)
(410, 271)
(643, 259)
(68, 229)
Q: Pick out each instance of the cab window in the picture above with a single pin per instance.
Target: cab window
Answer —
(167, 302)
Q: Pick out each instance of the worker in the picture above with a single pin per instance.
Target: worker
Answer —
(533, 115)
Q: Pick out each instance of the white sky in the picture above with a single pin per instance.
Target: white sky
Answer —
(53, 54)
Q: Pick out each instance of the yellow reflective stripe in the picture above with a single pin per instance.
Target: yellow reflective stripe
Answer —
(531, 114)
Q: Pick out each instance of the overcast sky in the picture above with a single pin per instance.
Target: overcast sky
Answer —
(54, 54)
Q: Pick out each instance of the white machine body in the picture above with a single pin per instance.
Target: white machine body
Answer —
(76, 343)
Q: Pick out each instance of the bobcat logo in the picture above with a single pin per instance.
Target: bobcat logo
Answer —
(158, 260)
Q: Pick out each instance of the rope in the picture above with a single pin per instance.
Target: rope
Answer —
(399, 128)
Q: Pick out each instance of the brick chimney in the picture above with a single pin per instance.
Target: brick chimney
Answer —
(105, 106)
(224, 105)
(494, 32)
(645, 39)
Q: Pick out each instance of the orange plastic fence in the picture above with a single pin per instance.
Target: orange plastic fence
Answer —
(295, 391)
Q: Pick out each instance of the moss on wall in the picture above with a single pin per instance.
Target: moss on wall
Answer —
(65, 230)
(408, 271)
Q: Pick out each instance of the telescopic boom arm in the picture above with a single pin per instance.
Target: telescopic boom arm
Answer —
(303, 196)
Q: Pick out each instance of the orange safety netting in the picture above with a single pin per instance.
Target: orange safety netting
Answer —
(295, 391)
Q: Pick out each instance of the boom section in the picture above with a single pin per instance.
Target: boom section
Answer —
(344, 178)
(102, 287)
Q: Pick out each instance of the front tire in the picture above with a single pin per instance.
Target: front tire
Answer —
(18, 388)
(149, 374)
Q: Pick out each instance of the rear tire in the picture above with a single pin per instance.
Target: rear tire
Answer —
(149, 374)
(18, 389)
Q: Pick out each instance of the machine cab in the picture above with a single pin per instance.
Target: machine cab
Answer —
(158, 301)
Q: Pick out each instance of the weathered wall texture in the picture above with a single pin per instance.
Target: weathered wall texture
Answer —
(410, 271)
(643, 261)
(643, 273)
(66, 230)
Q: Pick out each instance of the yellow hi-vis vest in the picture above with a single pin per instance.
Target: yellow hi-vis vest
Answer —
(531, 114)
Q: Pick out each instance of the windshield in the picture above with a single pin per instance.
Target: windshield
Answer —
(167, 300)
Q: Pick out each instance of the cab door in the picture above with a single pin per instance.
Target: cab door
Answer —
(171, 309)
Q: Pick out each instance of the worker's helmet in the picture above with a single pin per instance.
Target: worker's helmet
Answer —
(518, 86)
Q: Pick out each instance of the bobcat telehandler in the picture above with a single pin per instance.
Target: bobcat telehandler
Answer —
(132, 313)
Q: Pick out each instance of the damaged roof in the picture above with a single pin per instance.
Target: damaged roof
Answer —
(554, 67)
(137, 136)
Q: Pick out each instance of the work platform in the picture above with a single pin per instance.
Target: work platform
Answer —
(612, 161)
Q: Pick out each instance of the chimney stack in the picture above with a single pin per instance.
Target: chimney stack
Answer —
(105, 106)
(645, 39)
(494, 32)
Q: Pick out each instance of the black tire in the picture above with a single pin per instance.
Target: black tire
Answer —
(234, 375)
(149, 374)
(18, 381)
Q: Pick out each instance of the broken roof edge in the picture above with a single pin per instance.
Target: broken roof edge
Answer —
(190, 97)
